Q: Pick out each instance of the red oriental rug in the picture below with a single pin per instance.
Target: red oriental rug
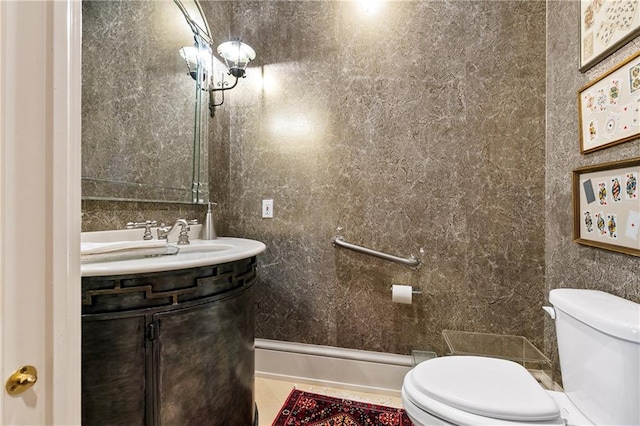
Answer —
(310, 409)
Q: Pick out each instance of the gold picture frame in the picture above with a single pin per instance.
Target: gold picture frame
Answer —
(609, 107)
(605, 26)
(606, 206)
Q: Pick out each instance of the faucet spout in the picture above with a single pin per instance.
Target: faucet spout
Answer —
(183, 238)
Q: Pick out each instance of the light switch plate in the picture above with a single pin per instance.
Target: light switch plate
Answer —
(267, 209)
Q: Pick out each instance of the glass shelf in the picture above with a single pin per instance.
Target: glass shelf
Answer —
(513, 348)
(419, 356)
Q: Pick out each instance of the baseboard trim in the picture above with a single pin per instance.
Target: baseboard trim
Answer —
(351, 369)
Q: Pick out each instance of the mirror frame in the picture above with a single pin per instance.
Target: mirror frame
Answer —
(199, 189)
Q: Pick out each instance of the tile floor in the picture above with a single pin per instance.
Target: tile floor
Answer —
(271, 394)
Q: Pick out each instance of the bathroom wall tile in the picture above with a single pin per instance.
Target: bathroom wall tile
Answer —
(101, 215)
(568, 263)
(415, 131)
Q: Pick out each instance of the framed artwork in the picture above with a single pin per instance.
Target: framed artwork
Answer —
(608, 107)
(606, 206)
(606, 25)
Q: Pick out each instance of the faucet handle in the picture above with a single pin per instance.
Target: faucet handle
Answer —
(183, 237)
(163, 231)
(192, 222)
(146, 225)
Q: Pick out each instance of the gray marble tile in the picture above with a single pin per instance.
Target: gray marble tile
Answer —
(407, 132)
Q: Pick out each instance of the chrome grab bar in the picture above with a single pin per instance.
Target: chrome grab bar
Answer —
(409, 261)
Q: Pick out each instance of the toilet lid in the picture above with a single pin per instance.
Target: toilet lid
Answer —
(488, 387)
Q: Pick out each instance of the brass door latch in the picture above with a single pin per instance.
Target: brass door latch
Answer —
(21, 380)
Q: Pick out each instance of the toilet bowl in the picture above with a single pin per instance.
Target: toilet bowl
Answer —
(599, 346)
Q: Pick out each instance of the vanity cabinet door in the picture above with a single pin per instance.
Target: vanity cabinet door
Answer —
(204, 358)
(113, 371)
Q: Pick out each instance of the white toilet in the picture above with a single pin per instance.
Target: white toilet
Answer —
(599, 346)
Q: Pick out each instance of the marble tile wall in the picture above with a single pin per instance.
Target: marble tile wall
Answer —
(568, 264)
(100, 215)
(414, 129)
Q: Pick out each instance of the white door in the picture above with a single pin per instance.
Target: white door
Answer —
(40, 53)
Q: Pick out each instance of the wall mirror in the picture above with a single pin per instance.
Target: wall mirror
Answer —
(144, 131)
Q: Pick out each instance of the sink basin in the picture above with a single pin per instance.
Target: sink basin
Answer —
(198, 253)
(203, 246)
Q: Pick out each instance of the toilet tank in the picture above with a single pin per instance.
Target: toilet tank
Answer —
(599, 346)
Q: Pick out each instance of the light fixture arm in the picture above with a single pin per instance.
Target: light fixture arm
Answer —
(213, 105)
(223, 86)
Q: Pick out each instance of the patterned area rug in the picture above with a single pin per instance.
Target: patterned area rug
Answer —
(310, 409)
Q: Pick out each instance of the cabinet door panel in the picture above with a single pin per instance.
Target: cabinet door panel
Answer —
(113, 372)
(205, 358)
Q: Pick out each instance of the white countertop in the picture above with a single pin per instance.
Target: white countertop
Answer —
(198, 253)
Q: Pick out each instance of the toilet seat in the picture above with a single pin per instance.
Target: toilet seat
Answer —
(479, 390)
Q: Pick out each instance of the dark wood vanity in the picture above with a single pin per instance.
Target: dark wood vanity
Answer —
(170, 348)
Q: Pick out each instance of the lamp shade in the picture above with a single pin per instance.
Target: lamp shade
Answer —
(237, 56)
(194, 57)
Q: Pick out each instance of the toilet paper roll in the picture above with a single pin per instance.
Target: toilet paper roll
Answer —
(401, 294)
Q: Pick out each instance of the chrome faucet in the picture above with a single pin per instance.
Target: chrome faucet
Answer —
(183, 238)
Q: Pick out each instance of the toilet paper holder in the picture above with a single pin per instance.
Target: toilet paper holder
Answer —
(412, 290)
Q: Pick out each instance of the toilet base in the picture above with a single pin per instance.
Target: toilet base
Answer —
(571, 415)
